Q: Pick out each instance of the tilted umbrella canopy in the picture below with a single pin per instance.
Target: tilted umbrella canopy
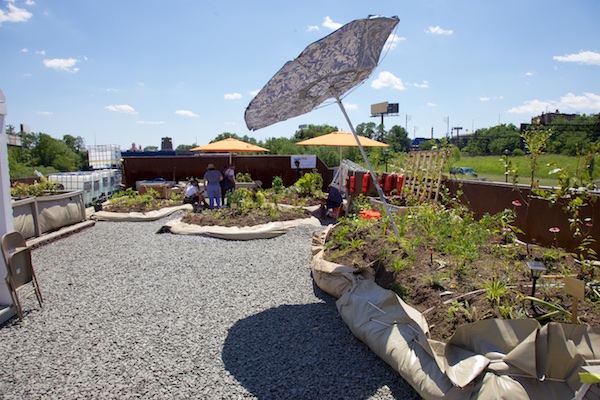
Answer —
(326, 69)
(341, 139)
(230, 145)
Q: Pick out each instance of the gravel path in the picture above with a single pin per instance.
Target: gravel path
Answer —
(129, 313)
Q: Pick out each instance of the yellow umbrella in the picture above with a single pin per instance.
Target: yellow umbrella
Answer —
(341, 139)
(230, 145)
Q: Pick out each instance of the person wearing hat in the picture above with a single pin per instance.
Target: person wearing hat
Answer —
(212, 183)
(228, 182)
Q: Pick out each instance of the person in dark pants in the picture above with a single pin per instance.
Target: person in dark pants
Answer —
(228, 182)
(334, 200)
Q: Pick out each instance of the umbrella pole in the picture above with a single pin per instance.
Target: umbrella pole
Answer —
(362, 151)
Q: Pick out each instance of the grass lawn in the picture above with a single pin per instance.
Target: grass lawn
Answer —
(491, 168)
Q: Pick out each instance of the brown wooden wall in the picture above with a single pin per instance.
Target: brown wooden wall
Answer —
(179, 168)
(534, 220)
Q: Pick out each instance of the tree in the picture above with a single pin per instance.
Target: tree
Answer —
(283, 146)
(398, 139)
(312, 131)
(50, 152)
(367, 129)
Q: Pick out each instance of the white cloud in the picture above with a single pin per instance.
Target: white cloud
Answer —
(232, 96)
(589, 101)
(392, 41)
(387, 79)
(351, 106)
(529, 73)
(431, 104)
(254, 92)
(533, 107)
(328, 23)
(14, 14)
(567, 103)
(186, 113)
(29, 3)
(150, 122)
(25, 50)
(121, 108)
(45, 113)
(423, 85)
(583, 57)
(485, 98)
(64, 64)
(312, 28)
(436, 30)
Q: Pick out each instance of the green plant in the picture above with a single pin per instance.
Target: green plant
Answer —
(556, 309)
(310, 183)
(243, 177)
(495, 290)
(462, 310)
(277, 184)
(400, 264)
(43, 187)
(355, 243)
(400, 290)
(435, 280)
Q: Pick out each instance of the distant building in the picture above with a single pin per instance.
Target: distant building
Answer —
(546, 119)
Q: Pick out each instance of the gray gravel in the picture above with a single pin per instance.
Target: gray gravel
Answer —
(129, 313)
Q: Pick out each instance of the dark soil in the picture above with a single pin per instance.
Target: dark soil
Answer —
(450, 294)
(243, 217)
(156, 204)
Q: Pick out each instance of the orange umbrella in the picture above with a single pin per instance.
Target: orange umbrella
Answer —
(230, 145)
(341, 139)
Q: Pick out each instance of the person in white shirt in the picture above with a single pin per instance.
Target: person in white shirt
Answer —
(194, 195)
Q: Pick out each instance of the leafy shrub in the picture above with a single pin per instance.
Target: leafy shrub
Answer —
(277, 184)
(243, 177)
(43, 187)
(310, 183)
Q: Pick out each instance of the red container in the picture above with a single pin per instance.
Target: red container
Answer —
(370, 214)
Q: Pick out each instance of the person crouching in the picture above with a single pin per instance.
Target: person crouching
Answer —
(194, 195)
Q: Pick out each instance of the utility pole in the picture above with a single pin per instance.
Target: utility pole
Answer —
(457, 129)
(447, 121)
(408, 117)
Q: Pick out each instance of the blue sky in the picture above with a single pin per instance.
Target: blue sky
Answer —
(123, 72)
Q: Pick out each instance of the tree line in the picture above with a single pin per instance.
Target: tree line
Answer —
(567, 137)
(47, 155)
(39, 151)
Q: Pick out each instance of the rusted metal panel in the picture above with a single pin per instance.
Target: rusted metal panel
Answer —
(178, 168)
(534, 215)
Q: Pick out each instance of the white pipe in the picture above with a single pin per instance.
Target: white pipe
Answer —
(6, 214)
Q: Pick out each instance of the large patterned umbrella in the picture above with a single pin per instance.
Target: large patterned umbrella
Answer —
(326, 69)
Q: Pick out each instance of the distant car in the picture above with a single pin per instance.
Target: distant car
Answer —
(463, 171)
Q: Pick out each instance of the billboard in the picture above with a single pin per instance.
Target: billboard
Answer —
(379, 108)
